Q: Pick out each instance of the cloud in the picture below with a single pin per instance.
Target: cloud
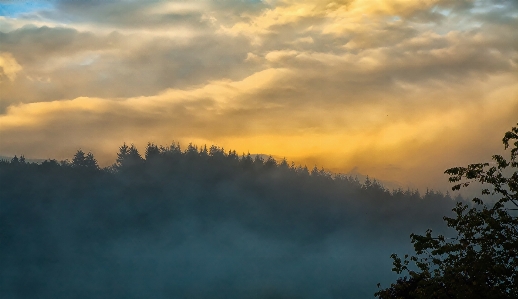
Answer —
(9, 67)
(80, 63)
(372, 131)
(339, 84)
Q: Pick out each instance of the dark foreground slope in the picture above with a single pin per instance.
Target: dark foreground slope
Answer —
(199, 224)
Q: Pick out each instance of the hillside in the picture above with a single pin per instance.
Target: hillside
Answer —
(200, 223)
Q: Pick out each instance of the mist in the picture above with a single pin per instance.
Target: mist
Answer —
(201, 223)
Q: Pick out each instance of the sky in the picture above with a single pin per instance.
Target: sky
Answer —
(399, 90)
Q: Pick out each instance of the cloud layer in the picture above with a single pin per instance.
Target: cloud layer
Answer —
(399, 90)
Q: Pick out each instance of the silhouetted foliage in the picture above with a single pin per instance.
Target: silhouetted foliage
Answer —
(85, 161)
(16, 160)
(152, 151)
(128, 157)
(194, 223)
(482, 260)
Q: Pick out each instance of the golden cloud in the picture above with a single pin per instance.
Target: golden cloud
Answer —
(8, 66)
(394, 89)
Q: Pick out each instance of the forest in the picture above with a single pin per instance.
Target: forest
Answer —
(200, 223)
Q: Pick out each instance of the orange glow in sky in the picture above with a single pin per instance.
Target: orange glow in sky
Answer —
(398, 90)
